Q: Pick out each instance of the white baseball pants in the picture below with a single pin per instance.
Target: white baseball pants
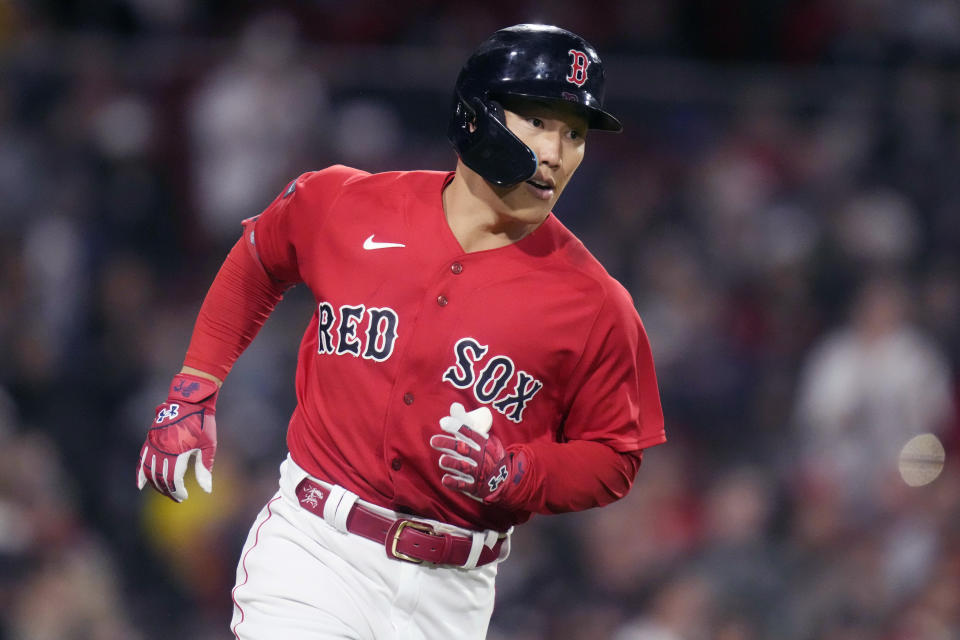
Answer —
(299, 578)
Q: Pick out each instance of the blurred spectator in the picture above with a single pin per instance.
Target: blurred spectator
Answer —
(73, 594)
(255, 121)
(680, 610)
(738, 557)
(628, 552)
(866, 389)
(367, 133)
(879, 228)
(65, 581)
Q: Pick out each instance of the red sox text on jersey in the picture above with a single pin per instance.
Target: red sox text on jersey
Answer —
(493, 379)
(340, 332)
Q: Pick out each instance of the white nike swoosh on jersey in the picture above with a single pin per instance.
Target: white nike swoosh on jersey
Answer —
(369, 244)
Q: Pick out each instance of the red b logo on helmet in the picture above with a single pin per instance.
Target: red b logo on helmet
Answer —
(578, 67)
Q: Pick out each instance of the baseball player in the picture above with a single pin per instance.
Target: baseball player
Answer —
(468, 364)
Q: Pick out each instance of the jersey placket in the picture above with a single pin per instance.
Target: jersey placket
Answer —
(413, 400)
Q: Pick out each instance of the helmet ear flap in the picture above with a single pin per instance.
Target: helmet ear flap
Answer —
(489, 114)
(496, 110)
(487, 146)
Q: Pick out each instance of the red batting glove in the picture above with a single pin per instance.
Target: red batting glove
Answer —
(185, 425)
(474, 459)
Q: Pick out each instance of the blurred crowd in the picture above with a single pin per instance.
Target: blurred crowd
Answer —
(783, 206)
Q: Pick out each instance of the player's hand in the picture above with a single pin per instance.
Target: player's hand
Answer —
(473, 459)
(184, 427)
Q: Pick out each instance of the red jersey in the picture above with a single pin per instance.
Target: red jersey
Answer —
(407, 323)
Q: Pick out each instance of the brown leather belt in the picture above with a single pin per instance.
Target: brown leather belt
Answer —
(404, 539)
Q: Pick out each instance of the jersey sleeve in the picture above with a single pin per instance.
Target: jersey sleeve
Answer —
(282, 236)
(570, 476)
(236, 306)
(615, 399)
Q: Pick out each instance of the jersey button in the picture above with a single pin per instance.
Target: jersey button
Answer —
(442, 301)
(408, 398)
(395, 464)
(456, 267)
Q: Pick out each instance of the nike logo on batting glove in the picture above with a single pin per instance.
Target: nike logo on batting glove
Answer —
(185, 427)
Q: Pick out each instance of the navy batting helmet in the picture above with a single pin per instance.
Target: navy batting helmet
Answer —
(534, 61)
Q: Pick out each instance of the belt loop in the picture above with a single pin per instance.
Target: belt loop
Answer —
(477, 543)
(331, 505)
(490, 538)
(505, 546)
(343, 510)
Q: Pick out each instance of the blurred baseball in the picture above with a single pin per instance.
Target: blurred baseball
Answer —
(921, 459)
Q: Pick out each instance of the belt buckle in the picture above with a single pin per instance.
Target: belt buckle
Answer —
(395, 538)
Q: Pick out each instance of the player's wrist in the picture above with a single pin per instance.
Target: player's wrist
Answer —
(511, 493)
(201, 374)
(194, 389)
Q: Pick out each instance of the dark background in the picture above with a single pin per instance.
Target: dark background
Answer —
(783, 205)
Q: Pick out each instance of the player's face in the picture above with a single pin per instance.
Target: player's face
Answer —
(558, 136)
